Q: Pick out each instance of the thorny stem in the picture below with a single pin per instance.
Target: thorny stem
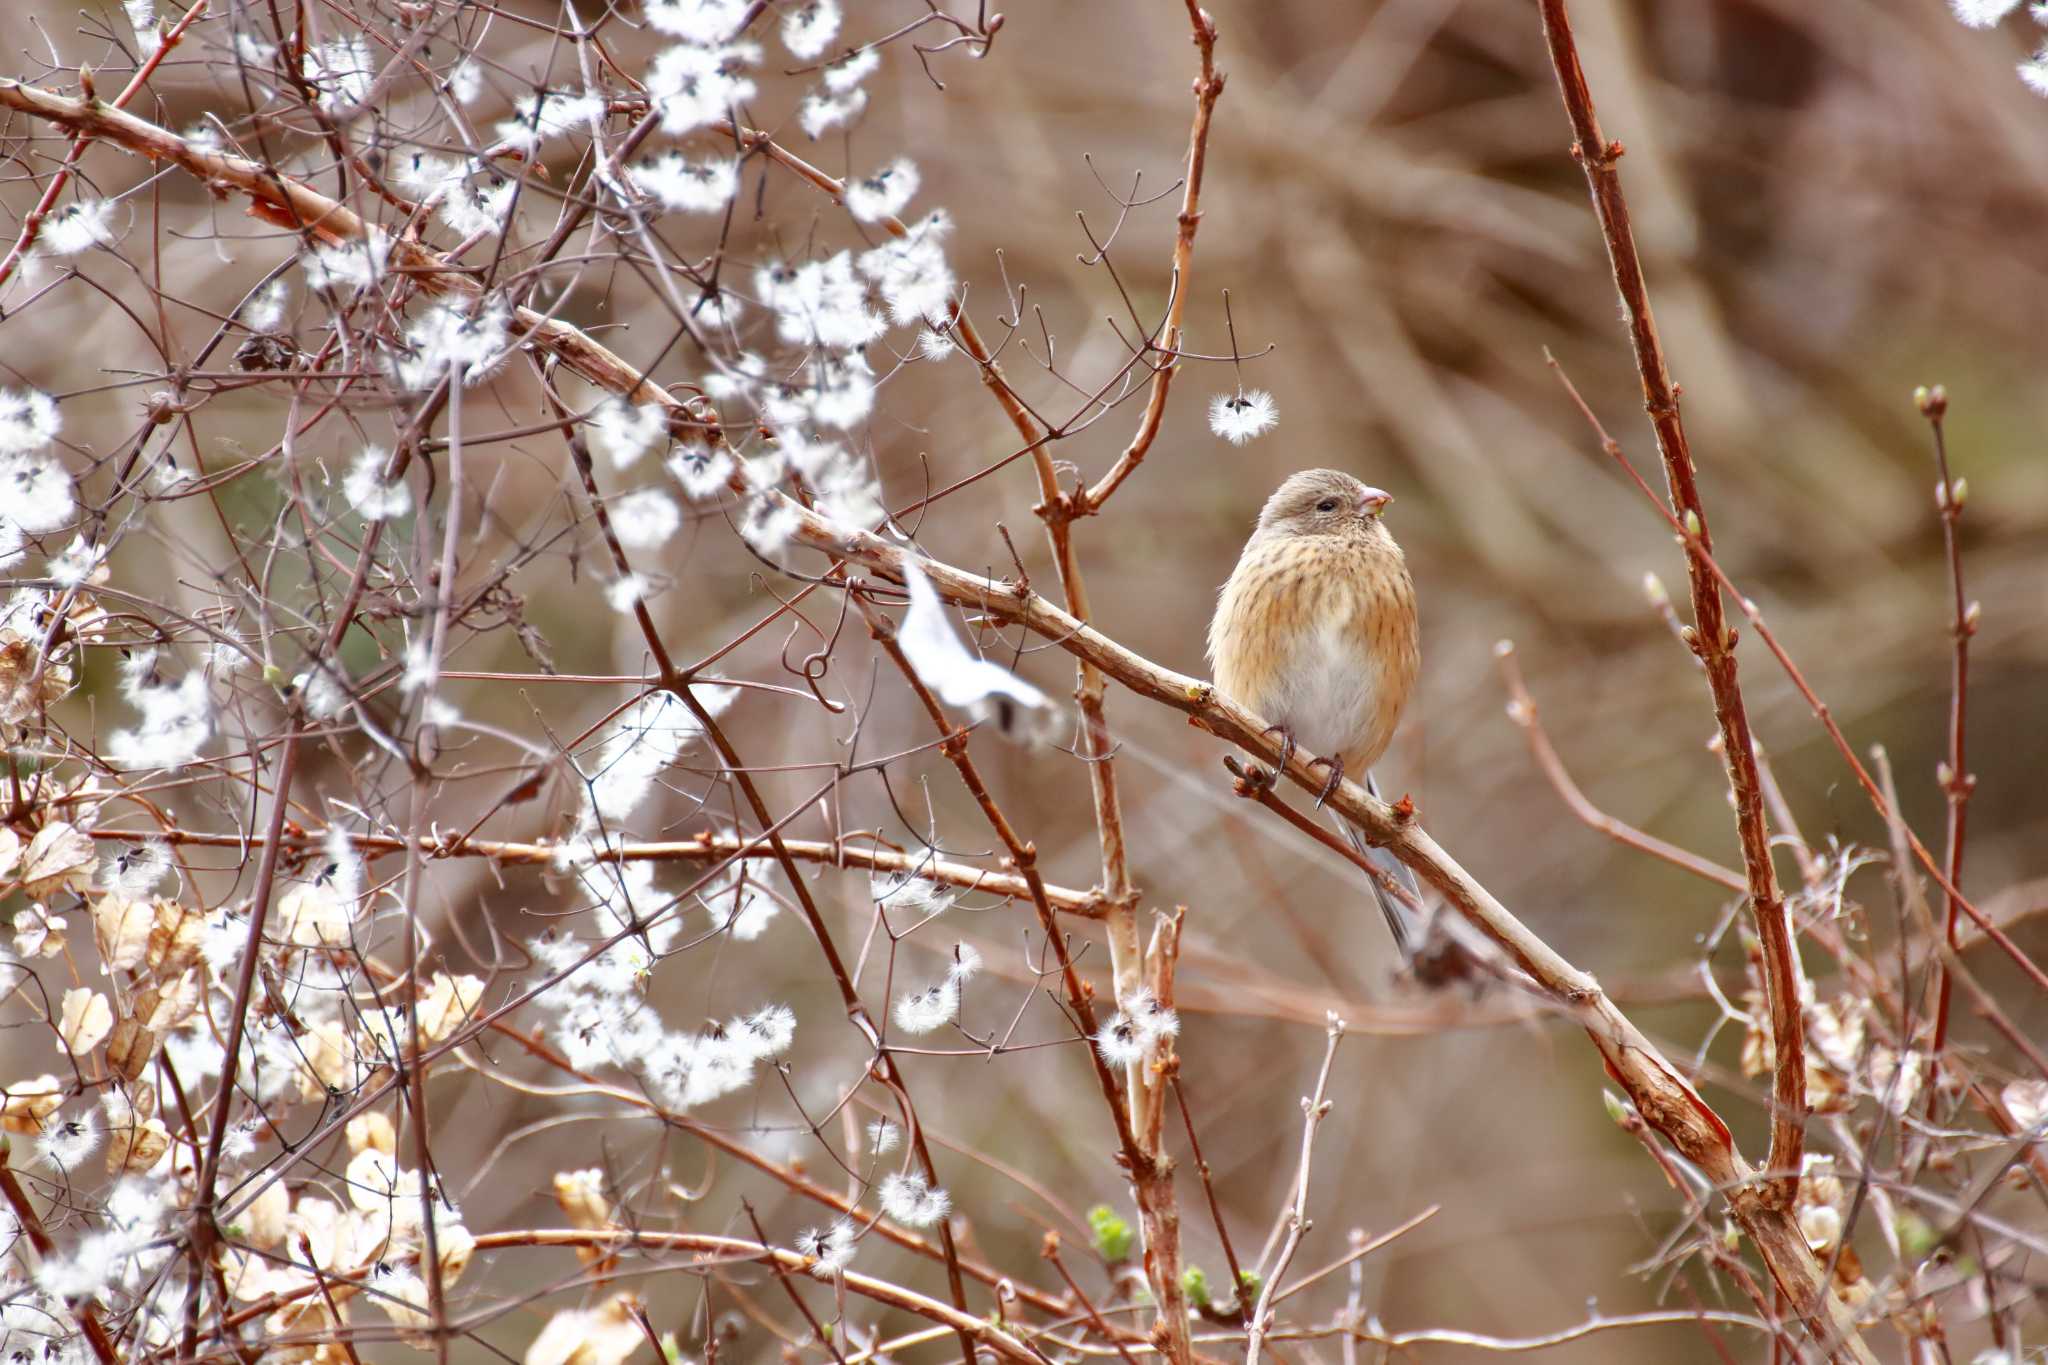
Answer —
(1821, 711)
(1215, 1209)
(1957, 782)
(1712, 640)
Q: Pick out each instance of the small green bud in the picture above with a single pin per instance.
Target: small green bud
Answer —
(1113, 1236)
(1692, 523)
(1653, 588)
(1617, 1110)
(275, 676)
(1195, 1285)
(1933, 403)
(1962, 493)
(1248, 1283)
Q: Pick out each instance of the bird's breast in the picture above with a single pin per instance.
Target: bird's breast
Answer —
(1319, 638)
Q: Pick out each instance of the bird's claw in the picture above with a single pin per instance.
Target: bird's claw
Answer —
(1336, 767)
(1286, 747)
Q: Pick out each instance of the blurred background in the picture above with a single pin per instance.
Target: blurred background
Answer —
(1834, 203)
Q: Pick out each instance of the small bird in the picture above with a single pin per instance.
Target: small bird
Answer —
(1316, 632)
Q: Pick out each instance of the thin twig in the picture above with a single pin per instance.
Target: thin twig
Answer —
(1313, 1109)
(1522, 711)
(1957, 782)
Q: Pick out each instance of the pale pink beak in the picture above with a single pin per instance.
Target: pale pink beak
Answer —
(1372, 501)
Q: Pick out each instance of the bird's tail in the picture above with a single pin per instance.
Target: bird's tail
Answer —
(1436, 949)
(1404, 921)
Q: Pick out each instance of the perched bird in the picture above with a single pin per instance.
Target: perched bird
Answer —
(1316, 632)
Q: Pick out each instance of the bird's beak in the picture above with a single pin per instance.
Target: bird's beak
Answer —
(1373, 501)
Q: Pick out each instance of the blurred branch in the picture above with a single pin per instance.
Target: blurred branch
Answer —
(31, 1222)
(1522, 711)
(978, 1331)
(1208, 86)
(707, 846)
(32, 224)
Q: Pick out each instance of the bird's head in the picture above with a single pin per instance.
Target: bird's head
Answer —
(1324, 502)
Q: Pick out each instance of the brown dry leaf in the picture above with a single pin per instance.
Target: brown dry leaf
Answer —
(19, 703)
(605, 1335)
(304, 1320)
(1827, 1090)
(60, 856)
(85, 1022)
(164, 1007)
(175, 938)
(28, 1103)
(123, 926)
(129, 1048)
(136, 1146)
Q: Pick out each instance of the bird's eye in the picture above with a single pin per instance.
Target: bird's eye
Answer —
(1327, 505)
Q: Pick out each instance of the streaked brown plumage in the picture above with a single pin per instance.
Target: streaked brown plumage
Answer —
(1316, 629)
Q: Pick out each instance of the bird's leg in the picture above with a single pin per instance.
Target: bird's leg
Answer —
(1336, 767)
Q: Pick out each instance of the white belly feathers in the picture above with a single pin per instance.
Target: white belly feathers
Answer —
(1330, 695)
